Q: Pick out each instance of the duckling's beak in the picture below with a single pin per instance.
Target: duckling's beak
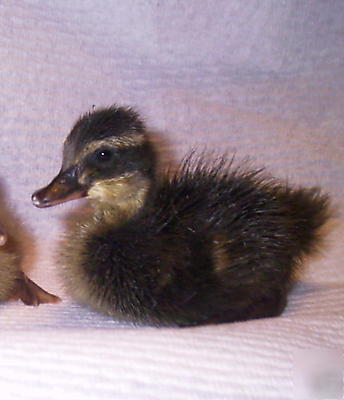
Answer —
(63, 187)
(3, 237)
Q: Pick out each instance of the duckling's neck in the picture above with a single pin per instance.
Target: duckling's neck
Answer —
(117, 200)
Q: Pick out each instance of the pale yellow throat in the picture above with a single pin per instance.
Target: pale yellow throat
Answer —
(119, 198)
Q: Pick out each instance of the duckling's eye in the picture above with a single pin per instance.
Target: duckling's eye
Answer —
(104, 155)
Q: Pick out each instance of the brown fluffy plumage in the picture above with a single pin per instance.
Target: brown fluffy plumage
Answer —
(210, 243)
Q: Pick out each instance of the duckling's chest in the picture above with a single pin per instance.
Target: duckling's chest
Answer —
(136, 270)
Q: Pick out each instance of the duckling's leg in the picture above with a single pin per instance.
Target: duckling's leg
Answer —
(31, 294)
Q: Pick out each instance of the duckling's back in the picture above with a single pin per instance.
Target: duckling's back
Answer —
(241, 203)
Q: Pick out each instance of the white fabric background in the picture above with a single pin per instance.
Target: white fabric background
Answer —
(262, 78)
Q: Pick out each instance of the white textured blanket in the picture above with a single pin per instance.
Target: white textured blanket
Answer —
(264, 79)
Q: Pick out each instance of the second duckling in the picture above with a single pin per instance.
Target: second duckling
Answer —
(210, 243)
(14, 284)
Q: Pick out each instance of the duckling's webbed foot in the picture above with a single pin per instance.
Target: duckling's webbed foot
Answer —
(31, 294)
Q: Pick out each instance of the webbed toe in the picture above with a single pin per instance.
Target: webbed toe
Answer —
(31, 294)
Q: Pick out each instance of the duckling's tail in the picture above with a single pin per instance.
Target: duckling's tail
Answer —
(308, 210)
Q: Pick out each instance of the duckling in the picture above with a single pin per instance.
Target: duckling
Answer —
(14, 284)
(209, 243)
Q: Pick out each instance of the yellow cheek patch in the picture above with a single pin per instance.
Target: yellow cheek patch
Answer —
(120, 197)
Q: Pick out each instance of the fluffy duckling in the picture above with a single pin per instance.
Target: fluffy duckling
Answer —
(210, 243)
(14, 284)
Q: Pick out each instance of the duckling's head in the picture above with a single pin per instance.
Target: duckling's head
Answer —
(106, 157)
